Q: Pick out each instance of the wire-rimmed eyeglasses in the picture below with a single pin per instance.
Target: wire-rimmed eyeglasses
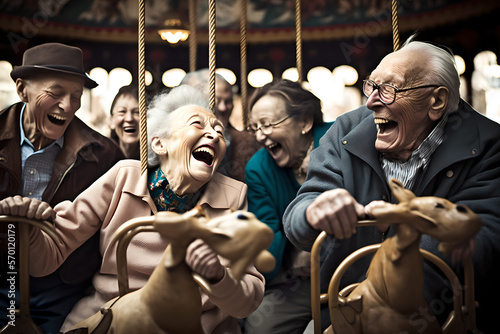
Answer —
(266, 129)
(386, 92)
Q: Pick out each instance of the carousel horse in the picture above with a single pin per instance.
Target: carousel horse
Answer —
(391, 298)
(170, 302)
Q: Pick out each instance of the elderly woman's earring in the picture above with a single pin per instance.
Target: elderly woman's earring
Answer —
(303, 132)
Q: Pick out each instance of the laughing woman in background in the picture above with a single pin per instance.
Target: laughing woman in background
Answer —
(287, 121)
(124, 121)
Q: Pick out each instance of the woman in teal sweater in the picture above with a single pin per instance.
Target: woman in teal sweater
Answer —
(288, 122)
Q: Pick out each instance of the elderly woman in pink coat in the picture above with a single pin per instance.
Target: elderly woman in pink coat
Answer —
(186, 145)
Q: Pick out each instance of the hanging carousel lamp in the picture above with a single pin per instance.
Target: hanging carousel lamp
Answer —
(173, 31)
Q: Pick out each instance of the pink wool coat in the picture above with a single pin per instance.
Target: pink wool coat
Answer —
(119, 195)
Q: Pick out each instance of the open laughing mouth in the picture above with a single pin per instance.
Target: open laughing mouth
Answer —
(129, 129)
(384, 125)
(205, 154)
(56, 119)
(274, 148)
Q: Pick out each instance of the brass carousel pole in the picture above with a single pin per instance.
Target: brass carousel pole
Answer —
(395, 26)
(243, 61)
(142, 89)
(193, 43)
(298, 39)
(211, 53)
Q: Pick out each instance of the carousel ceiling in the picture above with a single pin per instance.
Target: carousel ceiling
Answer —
(334, 32)
(267, 20)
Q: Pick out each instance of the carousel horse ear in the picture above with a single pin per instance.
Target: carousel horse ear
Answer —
(172, 258)
(399, 191)
(105, 323)
(102, 326)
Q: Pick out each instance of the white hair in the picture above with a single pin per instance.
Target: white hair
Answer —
(199, 79)
(160, 111)
(442, 69)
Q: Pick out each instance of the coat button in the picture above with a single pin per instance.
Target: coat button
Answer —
(449, 173)
(474, 152)
(344, 142)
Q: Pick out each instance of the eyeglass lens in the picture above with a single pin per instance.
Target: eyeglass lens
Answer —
(266, 129)
(386, 92)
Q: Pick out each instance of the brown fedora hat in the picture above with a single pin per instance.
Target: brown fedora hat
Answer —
(53, 57)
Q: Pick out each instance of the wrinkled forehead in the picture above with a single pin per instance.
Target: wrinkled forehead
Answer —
(402, 65)
(190, 110)
(184, 113)
(222, 87)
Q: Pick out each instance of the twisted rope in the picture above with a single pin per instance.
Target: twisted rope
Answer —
(211, 53)
(243, 61)
(143, 139)
(298, 38)
(193, 43)
(395, 27)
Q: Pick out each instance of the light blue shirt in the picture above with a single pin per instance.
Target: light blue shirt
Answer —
(37, 166)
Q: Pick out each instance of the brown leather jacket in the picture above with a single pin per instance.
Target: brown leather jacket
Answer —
(84, 157)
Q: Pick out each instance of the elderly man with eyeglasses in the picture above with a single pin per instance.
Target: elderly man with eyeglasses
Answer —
(415, 128)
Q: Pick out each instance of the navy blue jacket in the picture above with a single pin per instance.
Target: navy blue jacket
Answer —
(465, 169)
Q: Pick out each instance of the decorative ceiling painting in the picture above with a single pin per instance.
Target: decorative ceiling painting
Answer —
(268, 20)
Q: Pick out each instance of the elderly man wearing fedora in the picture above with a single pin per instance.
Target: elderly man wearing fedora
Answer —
(49, 154)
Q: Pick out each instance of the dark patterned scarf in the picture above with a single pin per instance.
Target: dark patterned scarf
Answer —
(165, 198)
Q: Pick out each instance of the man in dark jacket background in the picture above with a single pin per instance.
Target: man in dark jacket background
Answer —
(49, 154)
